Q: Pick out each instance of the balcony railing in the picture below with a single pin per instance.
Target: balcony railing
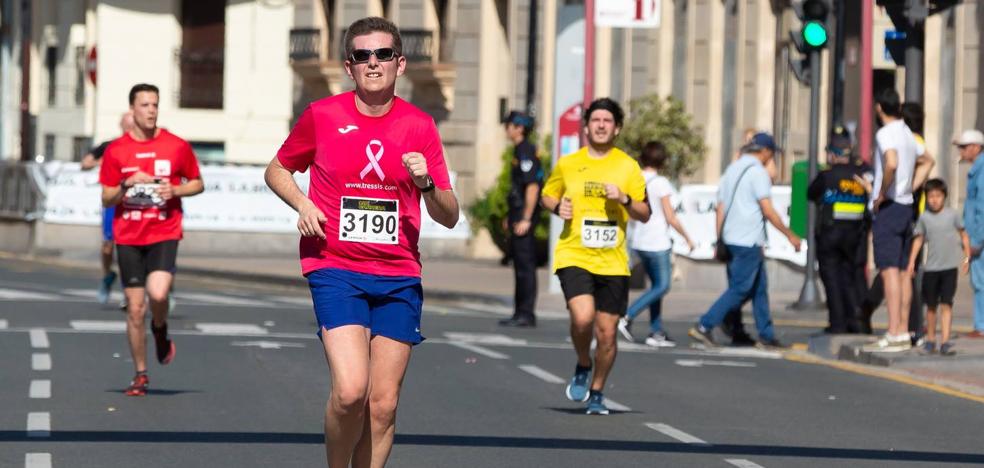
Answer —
(201, 78)
(305, 43)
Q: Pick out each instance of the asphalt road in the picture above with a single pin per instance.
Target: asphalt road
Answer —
(249, 382)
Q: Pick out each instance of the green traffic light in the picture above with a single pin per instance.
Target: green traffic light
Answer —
(814, 34)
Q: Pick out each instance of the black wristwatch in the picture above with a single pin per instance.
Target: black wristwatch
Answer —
(429, 187)
(628, 200)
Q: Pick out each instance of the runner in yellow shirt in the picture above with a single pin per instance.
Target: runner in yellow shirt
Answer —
(595, 191)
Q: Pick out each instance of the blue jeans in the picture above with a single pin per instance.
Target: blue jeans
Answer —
(977, 281)
(746, 280)
(657, 265)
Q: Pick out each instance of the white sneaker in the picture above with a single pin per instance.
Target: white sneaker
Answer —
(624, 329)
(889, 344)
(659, 340)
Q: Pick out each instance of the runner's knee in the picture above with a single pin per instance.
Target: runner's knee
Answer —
(382, 408)
(349, 399)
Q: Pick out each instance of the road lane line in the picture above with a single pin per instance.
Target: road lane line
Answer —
(614, 405)
(39, 424)
(37, 460)
(41, 361)
(98, 325)
(232, 329)
(216, 299)
(705, 362)
(16, 295)
(39, 339)
(675, 433)
(3, 324)
(40, 389)
(541, 374)
(479, 350)
(742, 463)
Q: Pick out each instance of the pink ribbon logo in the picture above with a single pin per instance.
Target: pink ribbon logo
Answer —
(374, 158)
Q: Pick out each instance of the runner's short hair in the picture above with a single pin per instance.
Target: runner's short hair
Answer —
(653, 155)
(141, 87)
(370, 25)
(935, 184)
(608, 105)
(889, 102)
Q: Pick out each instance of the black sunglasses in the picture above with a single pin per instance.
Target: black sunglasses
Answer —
(383, 54)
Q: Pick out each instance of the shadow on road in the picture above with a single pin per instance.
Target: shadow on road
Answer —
(172, 437)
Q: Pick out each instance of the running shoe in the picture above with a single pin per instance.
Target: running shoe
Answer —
(889, 344)
(138, 386)
(660, 340)
(596, 405)
(625, 329)
(702, 335)
(928, 347)
(165, 347)
(577, 390)
(106, 287)
(770, 343)
(946, 349)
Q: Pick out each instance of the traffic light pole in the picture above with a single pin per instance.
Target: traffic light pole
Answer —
(809, 297)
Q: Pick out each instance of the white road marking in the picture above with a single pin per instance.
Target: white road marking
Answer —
(296, 301)
(614, 405)
(747, 352)
(37, 460)
(742, 463)
(541, 374)
(114, 297)
(99, 325)
(706, 362)
(39, 424)
(232, 329)
(220, 299)
(39, 338)
(479, 350)
(675, 433)
(40, 389)
(19, 295)
(267, 344)
(41, 361)
(484, 338)
(3, 324)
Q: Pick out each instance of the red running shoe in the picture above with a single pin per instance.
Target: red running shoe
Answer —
(138, 386)
(165, 347)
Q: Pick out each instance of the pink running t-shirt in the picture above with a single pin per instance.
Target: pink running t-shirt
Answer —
(359, 182)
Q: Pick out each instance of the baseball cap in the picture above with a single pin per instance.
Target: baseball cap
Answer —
(970, 137)
(760, 141)
(518, 118)
(840, 142)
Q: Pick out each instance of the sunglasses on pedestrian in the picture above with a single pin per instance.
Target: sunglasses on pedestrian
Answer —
(383, 54)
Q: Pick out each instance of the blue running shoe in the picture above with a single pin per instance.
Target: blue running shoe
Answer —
(596, 405)
(577, 390)
(107, 285)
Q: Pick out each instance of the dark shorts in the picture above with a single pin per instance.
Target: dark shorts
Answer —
(611, 293)
(891, 235)
(138, 261)
(107, 223)
(388, 306)
(938, 287)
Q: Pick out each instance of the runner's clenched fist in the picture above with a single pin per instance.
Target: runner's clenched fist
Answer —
(417, 167)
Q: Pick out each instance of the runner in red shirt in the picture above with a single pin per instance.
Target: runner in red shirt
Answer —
(372, 157)
(144, 175)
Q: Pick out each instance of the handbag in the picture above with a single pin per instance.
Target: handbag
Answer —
(721, 252)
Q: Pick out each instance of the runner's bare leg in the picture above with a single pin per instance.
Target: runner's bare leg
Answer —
(388, 365)
(136, 333)
(582, 310)
(347, 351)
(605, 326)
(158, 288)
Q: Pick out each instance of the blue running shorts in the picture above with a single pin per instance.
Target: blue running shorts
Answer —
(388, 306)
(107, 224)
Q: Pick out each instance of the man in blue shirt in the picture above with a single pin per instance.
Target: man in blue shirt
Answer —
(744, 204)
(970, 144)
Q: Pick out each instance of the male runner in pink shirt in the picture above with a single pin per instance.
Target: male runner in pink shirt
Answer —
(372, 157)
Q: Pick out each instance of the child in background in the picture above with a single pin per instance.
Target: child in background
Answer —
(942, 230)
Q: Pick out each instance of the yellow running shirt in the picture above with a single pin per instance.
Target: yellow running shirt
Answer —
(595, 238)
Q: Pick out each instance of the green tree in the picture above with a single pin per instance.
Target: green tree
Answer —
(489, 210)
(664, 119)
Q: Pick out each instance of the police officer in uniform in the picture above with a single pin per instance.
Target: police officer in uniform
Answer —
(526, 179)
(840, 194)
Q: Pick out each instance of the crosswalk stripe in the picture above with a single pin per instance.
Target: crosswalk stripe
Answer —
(41, 361)
(742, 463)
(479, 350)
(675, 433)
(230, 329)
(21, 295)
(614, 405)
(39, 424)
(37, 460)
(39, 339)
(541, 374)
(3, 324)
(40, 389)
(98, 325)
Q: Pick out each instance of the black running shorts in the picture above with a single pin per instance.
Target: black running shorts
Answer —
(137, 261)
(611, 293)
(938, 287)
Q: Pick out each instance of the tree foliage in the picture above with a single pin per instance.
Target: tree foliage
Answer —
(665, 120)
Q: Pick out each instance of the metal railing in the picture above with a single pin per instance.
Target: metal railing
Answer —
(305, 43)
(202, 75)
(21, 190)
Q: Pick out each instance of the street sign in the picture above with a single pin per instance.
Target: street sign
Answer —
(627, 13)
(90, 65)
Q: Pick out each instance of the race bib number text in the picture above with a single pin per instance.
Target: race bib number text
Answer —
(599, 234)
(370, 220)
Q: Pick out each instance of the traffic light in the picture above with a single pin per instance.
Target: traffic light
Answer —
(812, 36)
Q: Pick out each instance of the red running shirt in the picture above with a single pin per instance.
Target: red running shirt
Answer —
(142, 218)
(358, 181)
